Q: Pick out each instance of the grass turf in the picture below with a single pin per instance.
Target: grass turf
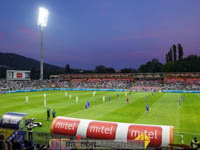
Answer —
(164, 109)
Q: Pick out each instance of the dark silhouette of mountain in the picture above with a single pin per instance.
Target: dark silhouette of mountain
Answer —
(19, 62)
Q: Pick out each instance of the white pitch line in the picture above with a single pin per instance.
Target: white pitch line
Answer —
(82, 110)
(188, 133)
(89, 108)
(95, 106)
(182, 140)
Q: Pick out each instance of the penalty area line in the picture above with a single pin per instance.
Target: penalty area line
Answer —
(187, 133)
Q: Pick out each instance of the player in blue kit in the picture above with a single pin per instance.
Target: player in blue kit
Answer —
(183, 98)
(179, 101)
(147, 108)
(88, 103)
(109, 98)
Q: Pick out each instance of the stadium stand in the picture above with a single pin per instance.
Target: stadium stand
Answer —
(23, 85)
(138, 82)
(147, 85)
(36, 84)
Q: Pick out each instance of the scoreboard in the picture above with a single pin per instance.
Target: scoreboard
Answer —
(18, 75)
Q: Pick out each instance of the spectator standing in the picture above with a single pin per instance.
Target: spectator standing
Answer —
(48, 114)
(54, 113)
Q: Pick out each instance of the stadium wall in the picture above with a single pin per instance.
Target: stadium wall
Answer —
(61, 89)
(77, 89)
(179, 91)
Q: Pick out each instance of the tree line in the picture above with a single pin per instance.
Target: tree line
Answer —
(175, 62)
(171, 56)
(98, 69)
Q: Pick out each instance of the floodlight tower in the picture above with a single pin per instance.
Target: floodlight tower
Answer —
(42, 22)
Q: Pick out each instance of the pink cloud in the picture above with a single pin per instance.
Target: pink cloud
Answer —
(180, 33)
(13, 46)
(139, 36)
(2, 36)
(103, 10)
(31, 33)
(190, 51)
(18, 46)
(56, 57)
(144, 53)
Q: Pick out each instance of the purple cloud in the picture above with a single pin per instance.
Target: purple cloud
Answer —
(2, 36)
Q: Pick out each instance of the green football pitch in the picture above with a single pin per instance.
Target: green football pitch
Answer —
(164, 109)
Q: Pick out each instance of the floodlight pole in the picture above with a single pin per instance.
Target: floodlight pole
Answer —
(41, 52)
(42, 22)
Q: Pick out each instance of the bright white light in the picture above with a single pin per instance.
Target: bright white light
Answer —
(43, 17)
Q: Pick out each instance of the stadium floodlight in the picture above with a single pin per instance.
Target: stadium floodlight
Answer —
(42, 22)
(43, 17)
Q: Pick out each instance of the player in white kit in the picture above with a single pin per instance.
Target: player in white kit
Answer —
(126, 93)
(94, 92)
(103, 99)
(26, 99)
(65, 94)
(45, 100)
(70, 96)
(76, 99)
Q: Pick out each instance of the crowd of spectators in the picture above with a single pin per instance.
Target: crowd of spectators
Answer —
(192, 85)
(147, 85)
(23, 85)
(3, 84)
(150, 83)
(178, 85)
(15, 145)
(37, 84)
(102, 84)
(173, 84)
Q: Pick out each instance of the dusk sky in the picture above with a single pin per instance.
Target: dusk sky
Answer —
(114, 33)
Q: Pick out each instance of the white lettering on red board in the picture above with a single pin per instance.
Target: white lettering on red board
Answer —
(153, 132)
(101, 130)
(66, 127)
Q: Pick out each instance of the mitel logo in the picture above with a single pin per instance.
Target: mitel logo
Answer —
(65, 127)
(153, 133)
(101, 130)
(19, 75)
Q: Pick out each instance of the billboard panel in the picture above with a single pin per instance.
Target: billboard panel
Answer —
(18, 75)
(159, 135)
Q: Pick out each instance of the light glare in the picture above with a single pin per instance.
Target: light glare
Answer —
(43, 17)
